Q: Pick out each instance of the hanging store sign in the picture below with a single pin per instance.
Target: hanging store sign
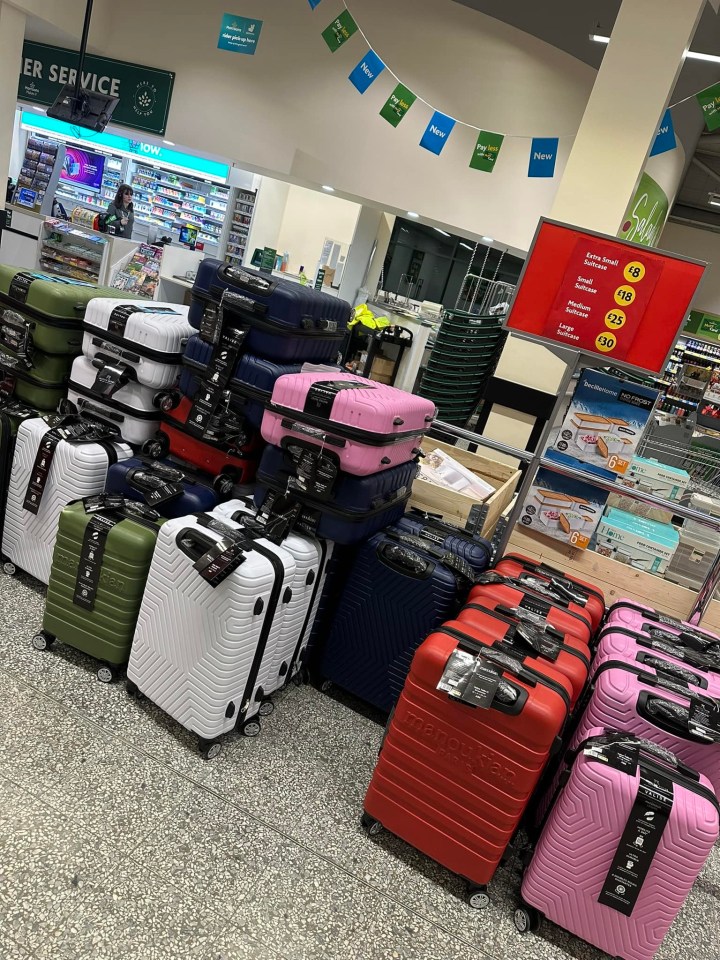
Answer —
(646, 214)
(144, 92)
(239, 34)
(603, 296)
(397, 104)
(369, 68)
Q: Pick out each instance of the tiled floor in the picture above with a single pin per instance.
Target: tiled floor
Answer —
(118, 841)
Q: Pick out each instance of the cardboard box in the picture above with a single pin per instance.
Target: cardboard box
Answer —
(381, 370)
(637, 541)
(454, 506)
(657, 478)
(605, 420)
(564, 508)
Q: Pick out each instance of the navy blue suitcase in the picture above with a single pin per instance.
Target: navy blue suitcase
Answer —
(250, 385)
(472, 548)
(283, 320)
(168, 486)
(397, 592)
(337, 506)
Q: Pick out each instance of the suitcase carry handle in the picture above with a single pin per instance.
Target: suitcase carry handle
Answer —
(654, 750)
(255, 283)
(445, 557)
(194, 543)
(405, 561)
(668, 716)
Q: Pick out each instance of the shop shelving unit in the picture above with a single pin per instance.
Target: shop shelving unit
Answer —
(239, 227)
(68, 250)
(170, 200)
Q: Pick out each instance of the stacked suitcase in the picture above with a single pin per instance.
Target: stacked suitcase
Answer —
(533, 668)
(41, 320)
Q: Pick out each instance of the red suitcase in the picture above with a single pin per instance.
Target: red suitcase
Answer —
(496, 591)
(549, 650)
(588, 596)
(230, 454)
(454, 776)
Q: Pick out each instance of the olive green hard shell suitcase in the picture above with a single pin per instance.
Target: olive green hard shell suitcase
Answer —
(100, 564)
(52, 307)
(39, 380)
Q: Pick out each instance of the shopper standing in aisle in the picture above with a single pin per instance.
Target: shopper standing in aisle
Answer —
(120, 212)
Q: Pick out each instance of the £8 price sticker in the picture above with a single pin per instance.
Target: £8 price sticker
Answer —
(634, 271)
(606, 342)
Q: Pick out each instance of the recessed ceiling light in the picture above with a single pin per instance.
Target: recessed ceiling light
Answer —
(466, 245)
(411, 213)
(715, 202)
(689, 54)
(328, 189)
(169, 143)
(599, 38)
(443, 232)
(488, 239)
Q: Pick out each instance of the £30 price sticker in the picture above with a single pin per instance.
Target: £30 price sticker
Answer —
(606, 342)
(634, 271)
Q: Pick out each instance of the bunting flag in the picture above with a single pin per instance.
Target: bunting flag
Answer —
(340, 30)
(665, 136)
(369, 68)
(543, 153)
(709, 101)
(397, 104)
(313, 3)
(437, 132)
(486, 151)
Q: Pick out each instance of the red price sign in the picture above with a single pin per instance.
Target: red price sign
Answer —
(604, 296)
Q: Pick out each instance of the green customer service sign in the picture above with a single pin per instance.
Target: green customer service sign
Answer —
(144, 92)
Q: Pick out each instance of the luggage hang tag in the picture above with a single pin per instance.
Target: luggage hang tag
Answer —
(316, 472)
(132, 510)
(639, 842)
(154, 485)
(536, 639)
(41, 468)
(91, 558)
(7, 384)
(204, 408)
(20, 286)
(704, 719)
(224, 357)
(472, 680)
(103, 502)
(110, 378)
(280, 518)
(225, 556)
(15, 335)
(211, 323)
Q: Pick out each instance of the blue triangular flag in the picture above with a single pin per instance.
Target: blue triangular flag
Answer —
(665, 136)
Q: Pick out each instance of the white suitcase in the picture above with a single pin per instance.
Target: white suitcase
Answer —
(293, 658)
(76, 469)
(307, 553)
(133, 409)
(203, 653)
(147, 338)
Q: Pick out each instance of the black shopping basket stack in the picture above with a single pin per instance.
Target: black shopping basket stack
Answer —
(466, 351)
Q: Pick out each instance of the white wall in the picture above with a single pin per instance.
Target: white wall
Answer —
(289, 108)
(699, 245)
(309, 218)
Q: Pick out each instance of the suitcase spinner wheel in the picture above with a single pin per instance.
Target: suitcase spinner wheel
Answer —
(527, 919)
(43, 640)
(9, 568)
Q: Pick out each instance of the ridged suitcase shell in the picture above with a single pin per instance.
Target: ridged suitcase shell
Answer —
(360, 506)
(251, 384)
(308, 555)
(394, 596)
(106, 631)
(132, 409)
(77, 470)
(572, 661)
(473, 549)
(204, 653)
(197, 495)
(453, 780)
(370, 426)
(700, 670)
(511, 597)
(578, 845)
(514, 564)
(619, 693)
(149, 337)
(636, 616)
(53, 306)
(39, 380)
(289, 322)
(12, 414)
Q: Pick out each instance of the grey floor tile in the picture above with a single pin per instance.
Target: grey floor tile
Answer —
(694, 935)
(10, 950)
(134, 914)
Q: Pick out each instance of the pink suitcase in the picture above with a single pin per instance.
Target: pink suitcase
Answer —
(699, 670)
(368, 426)
(635, 616)
(626, 840)
(647, 704)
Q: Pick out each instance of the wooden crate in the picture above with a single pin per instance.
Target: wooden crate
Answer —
(455, 507)
(615, 579)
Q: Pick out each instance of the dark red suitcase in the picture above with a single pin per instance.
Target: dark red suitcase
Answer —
(542, 649)
(494, 590)
(514, 565)
(231, 455)
(454, 779)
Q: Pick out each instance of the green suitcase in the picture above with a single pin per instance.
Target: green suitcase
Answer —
(52, 307)
(40, 381)
(100, 564)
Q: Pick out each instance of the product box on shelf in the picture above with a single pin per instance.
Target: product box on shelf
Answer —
(562, 507)
(657, 478)
(455, 506)
(605, 420)
(637, 541)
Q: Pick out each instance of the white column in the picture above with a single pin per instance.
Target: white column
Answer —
(370, 232)
(12, 34)
(632, 90)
